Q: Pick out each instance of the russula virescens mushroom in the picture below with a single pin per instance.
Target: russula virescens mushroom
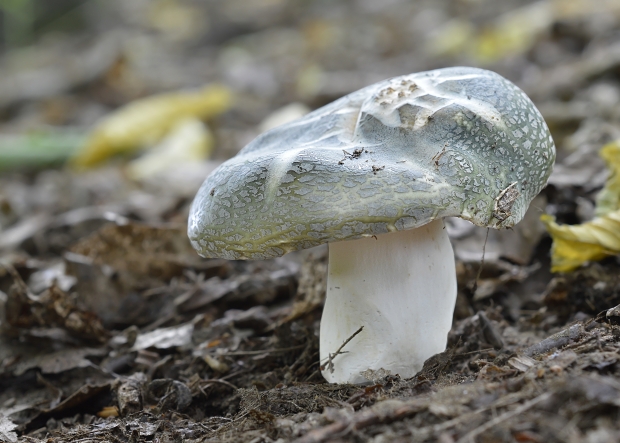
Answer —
(373, 174)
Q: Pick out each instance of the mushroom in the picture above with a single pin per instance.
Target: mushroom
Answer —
(373, 174)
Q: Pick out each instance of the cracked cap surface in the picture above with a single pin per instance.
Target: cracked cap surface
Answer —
(395, 155)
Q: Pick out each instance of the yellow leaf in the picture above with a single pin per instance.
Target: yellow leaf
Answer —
(574, 245)
(608, 199)
(513, 32)
(146, 121)
(188, 141)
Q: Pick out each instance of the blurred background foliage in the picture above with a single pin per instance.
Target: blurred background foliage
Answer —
(75, 60)
(77, 75)
(22, 22)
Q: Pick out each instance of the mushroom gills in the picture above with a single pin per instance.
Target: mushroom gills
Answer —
(401, 288)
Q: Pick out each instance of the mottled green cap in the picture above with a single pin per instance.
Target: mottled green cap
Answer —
(395, 155)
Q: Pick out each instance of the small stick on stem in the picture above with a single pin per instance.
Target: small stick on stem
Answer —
(330, 362)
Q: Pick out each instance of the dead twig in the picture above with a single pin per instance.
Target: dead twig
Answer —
(266, 351)
(557, 340)
(330, 359)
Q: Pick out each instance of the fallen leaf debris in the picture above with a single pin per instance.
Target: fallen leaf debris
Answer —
(113, 329)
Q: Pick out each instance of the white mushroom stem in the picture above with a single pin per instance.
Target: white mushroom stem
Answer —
(401, 287)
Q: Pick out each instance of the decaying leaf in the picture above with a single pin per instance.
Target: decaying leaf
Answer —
(6, 430)
(574, 245)
(522, 362)
(138, 249)
(164, 338)
(81, 396)
(53, 308)
(129, 393)
(57, 362)
(145, 122)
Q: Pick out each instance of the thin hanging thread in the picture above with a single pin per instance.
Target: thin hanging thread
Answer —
(484, 247)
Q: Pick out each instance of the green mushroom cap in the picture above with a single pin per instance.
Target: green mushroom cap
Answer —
(395, 155)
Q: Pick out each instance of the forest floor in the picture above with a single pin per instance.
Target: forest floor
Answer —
(112, 329)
